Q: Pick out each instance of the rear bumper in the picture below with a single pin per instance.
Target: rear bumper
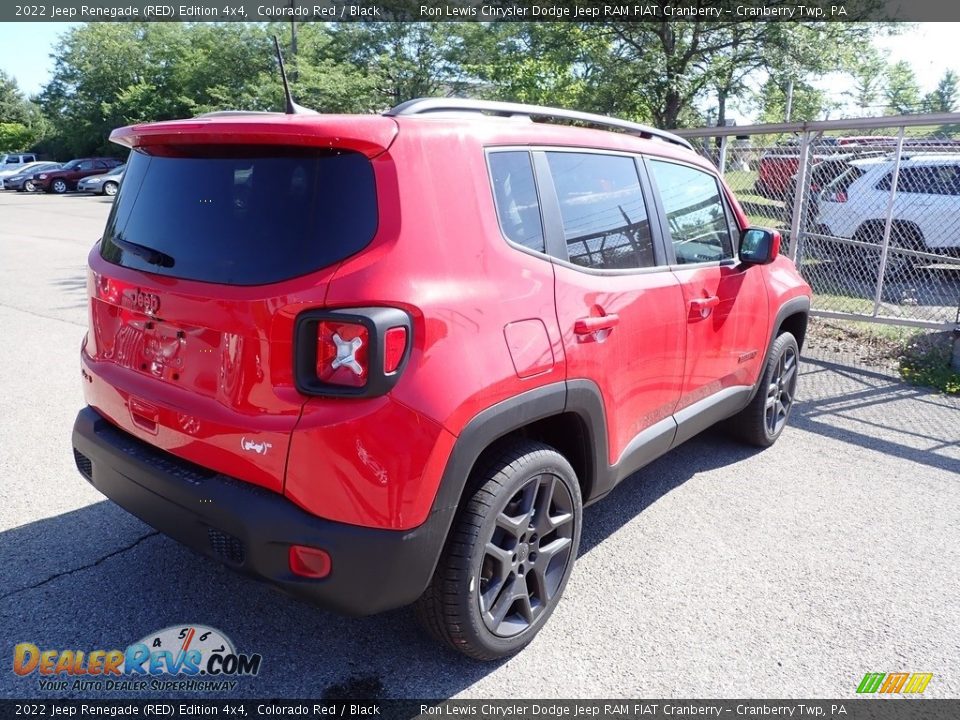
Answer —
(251, 529)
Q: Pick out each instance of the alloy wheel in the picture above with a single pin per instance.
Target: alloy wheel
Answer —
(526, 557)
(780, 391)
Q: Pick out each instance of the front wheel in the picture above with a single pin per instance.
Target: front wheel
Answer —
(59, 187)
(109, 189)
(28, 186)
(763, 420)
(509, 555)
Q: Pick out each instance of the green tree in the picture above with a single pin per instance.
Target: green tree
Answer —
(15, 136)
(22, 121)
(902, 93)
(809, 103)
(402, 60)
(675, 64)
(12, 103)
(944, 97)
(868, 78)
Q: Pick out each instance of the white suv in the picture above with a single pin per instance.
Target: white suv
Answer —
(926, 208)
(14, 161)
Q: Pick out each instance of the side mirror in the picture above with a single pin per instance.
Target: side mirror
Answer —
(759, 246)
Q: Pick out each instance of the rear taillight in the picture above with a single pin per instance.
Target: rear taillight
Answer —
(356, 352)
(343, 353)
(837, 196)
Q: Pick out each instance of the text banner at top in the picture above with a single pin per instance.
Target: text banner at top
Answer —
(600, 11)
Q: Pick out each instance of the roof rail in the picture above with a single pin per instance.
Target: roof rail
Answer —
(424, 106)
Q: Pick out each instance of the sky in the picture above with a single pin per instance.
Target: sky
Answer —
(25, 53)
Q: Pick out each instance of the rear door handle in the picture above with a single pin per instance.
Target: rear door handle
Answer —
(590, 325)
(704, 306)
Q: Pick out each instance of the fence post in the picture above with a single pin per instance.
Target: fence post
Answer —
(888, 223)
(798, 196)
(723, 156)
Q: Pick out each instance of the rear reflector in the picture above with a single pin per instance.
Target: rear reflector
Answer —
(395, 343)
(309, 562)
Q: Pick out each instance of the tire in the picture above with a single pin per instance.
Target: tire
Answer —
(763, 420)
(496, 584)
(109, 189)
(28, 186)
(899, 267)
(58, 186)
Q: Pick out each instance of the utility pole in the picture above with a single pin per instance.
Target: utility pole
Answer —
(789, 100)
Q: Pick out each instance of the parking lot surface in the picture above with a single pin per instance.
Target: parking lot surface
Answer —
(719, 571)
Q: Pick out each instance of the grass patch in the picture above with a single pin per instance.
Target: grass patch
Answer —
(925, 360)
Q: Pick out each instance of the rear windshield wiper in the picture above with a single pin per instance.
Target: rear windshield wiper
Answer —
(154, 257)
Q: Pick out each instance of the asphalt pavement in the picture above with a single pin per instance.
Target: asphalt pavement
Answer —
(719, 571)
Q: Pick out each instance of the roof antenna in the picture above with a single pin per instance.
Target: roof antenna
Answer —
(291, 107)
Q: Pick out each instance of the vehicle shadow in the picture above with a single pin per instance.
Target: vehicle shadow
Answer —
(869, 409)
(73, 289)
(97, 578)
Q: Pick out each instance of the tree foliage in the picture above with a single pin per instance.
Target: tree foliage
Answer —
(902, 92)
(21, 122)
(669, 73)
(944, 97)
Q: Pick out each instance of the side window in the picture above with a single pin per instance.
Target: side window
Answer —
(925, 180)
(515, 194)
(604, 217)
(694, 212)
(85, 165)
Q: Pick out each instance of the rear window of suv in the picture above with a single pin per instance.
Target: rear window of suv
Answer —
(241, 215)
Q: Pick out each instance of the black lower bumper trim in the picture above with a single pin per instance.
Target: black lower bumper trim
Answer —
(251, 529)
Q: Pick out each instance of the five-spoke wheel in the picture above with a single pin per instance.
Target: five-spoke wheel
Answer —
(509, 555)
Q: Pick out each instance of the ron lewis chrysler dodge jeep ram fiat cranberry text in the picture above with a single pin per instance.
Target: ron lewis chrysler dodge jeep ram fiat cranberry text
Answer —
(379, 360)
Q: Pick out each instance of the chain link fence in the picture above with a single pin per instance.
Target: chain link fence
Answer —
(870, 211)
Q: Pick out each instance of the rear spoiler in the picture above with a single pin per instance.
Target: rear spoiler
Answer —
(370, 135)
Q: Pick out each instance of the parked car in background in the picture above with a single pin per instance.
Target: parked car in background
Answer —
(926, 206)
(824, 171)
(106, 184)
(28, 170)
(14, 161)
(67, 177)
(779, 165)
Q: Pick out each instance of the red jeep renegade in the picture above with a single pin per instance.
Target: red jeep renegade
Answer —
(379, 360)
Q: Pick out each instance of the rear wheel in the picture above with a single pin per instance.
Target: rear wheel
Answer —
(764, 419)
(899, 266)
(58, 186)
(509, 555)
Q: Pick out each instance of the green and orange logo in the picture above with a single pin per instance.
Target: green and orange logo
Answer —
(888, 683)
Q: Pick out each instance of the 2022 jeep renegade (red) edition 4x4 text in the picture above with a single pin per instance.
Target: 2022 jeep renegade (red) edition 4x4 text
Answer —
(379, 360)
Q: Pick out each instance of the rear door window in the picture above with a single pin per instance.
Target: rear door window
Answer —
(604, 216)
(241, 215)
(515, 194)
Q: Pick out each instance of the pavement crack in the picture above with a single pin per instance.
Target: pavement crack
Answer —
(41, 315)
(88, 566)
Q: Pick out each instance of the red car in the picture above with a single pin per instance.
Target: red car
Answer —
(66, 178)
(381, 360)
